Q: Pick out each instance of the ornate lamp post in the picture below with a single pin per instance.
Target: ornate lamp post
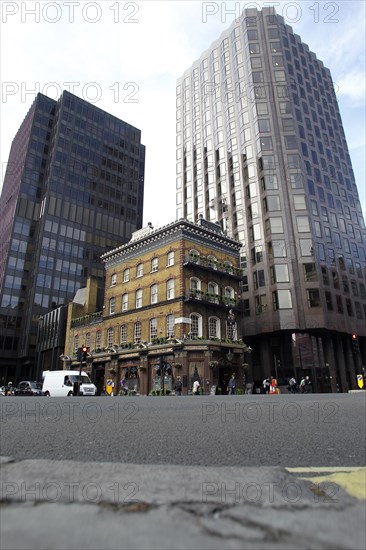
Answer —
(247, 378)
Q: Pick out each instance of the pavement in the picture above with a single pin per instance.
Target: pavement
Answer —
(75, 505)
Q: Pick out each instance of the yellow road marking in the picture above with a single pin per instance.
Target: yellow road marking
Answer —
(325, 469)
(351, 479)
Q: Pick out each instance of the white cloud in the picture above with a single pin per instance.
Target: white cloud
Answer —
(352, 86)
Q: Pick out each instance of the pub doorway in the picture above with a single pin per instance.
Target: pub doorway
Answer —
(225, 373)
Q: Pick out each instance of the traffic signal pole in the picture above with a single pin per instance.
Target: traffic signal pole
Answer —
(357, 357)
(79, 379)
(82, 355)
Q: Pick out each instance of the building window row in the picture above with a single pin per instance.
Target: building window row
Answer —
(212, 290)
(140, 269)
(125, 304)
(135, 332)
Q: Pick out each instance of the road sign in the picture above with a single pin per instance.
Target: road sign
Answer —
(109, 386)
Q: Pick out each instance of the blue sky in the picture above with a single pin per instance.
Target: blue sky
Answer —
(125, 57)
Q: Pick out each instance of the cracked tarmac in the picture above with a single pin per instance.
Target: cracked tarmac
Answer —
(78, 505)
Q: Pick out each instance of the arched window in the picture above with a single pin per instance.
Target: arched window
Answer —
(126, 275)
(196, 325)
(154, 264)
(211, 262)
(154, 294)
(228, 266)
(170, 289)
(114, 279)
(170, 258)
(195, 287)
(139, 270)
(214, 327)
(125, 301)
(110, 336)
(137, 332)
(153, 328)
(123, 334)
(170, 326)
(231, 327)
(213, 290)
(138, 298)
(229, 295)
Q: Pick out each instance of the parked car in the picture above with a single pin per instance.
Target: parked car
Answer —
(29, 388)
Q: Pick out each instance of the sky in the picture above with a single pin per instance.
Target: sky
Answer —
(125, 57)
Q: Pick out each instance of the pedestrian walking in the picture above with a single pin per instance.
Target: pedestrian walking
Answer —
(196, 387)
(307, 385)
(231, 385)
(293, 385)
(266, 385)
(178, 386)
(9, 390)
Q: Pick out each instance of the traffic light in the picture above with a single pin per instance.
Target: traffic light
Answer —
(355, 346)
(84, 355)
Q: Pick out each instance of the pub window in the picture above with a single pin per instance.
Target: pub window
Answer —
(137, 332)
(123, 333)
(153, 328)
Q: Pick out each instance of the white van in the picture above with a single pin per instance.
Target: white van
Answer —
(60, 383)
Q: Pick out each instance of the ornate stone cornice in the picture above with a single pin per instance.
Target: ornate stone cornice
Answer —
(170, 232)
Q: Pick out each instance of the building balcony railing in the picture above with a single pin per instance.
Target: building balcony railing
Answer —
(157, 343)
(87, 319)
(209, 298)
(213, 265)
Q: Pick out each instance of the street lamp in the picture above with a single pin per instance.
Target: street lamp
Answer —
(164, 370)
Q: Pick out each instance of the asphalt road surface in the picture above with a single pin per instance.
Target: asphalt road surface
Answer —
(248, 430)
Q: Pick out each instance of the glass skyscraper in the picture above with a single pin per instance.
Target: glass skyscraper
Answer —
(261, 149)
(73, 189)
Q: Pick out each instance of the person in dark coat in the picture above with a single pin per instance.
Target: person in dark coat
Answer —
(231, 385)
(178, 386)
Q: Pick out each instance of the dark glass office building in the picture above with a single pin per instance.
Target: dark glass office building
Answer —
(73, 189)
(261, 149)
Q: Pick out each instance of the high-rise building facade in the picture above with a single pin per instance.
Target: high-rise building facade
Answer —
(261, 149)
(73, 189)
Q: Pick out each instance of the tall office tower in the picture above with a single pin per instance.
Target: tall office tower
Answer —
(73, 189)
(261, 149)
